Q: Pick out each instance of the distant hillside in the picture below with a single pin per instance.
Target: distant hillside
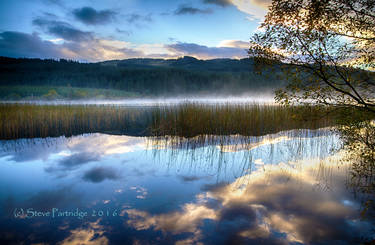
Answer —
(188, 63)
(137, 77)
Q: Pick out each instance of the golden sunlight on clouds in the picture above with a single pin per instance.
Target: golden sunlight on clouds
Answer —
(257, 9)
(69, 53)
(258, 232)
(93, 235)
(154, 49)
(102, 49)
(188, 220)
(115, 43)
(281, 198)
(234, 44)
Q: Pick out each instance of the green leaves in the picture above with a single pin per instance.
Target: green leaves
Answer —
(327, 46)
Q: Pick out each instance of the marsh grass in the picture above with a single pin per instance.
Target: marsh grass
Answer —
(190, 119)
(182, 120)
(39, 121)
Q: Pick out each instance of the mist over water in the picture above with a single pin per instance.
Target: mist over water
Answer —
(253, 98)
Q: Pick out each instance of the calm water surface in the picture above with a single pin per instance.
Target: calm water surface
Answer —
(285, 188)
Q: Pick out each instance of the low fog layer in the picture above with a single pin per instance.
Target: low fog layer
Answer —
(266, 98)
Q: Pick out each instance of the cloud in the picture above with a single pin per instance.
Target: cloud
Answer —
(234, 44)
(133, 18)
(71, 43)
(18, 44)
(257, 9)
(90, 16)
(253, 145)
(78, 159)
(48, 199)
(176, 222)
(261, 3)
(204, 52)
(213, 187)
(185, 9)
(54, 2)
(125, 32)
(273, 206)
(82, 150)
(222, 3)
(63, 30)
(141, 192)
(99, 174)
(193, 178)
(93, 234)
(72, 162)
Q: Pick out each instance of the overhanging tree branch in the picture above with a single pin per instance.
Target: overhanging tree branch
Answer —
(310, 35)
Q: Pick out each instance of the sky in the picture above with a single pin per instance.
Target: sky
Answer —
(99, 30)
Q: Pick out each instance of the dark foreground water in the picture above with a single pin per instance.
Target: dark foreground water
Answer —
(285, 188)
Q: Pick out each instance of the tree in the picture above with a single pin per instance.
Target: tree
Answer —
(327, 49)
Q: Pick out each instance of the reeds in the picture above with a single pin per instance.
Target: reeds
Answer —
(184, 120)
(189, 120)
(31, 121)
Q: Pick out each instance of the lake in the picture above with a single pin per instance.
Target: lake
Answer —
(175, 174)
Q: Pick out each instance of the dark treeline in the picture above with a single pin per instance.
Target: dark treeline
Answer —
(142, 76)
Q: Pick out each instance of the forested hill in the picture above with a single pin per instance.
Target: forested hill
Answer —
(140, 77)
(188, 63)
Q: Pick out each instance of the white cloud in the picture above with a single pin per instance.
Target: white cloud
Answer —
(257, 9)
(56, 40)
(234, 44)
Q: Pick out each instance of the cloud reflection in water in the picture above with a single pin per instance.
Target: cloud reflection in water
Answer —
(281, 204)
(274, 190)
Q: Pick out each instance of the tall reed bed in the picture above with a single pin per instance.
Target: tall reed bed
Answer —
(30, 121)
(190, 119)
(185, 120)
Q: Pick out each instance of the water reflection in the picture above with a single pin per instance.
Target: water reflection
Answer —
(277, 205)
(91, 235)
(285, 188)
